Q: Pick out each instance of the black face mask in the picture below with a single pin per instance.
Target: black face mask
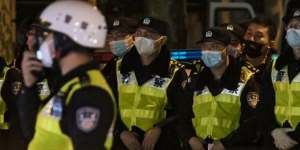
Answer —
(253, 49)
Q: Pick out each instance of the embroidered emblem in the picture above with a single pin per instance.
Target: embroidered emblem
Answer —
(87, 118)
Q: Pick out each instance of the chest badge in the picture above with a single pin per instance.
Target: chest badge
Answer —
(280, 75)
(125, 78)
(252, 99)
(158, 82)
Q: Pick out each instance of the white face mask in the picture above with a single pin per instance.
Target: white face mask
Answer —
(44, 52)
(211, 58)
(293, 38)
(145, 46)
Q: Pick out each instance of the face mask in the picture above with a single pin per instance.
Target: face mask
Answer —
(121, 47)
(145, 46)
(44, 55)
(234, 52)
(253, 49)
(293, 38)
(211, 58)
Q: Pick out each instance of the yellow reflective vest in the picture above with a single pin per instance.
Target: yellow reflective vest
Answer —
(142, 106)
(48, 134)
(3, 125)
(287, 96)
(217, 116)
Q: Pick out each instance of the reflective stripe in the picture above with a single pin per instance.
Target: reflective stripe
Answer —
(147, 114)
(216, 122)
(295, 111)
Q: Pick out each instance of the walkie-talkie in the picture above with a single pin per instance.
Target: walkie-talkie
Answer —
(40, 75)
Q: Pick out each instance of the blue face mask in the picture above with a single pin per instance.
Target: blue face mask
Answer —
(293, 38)
(119, 48)
(211, 58)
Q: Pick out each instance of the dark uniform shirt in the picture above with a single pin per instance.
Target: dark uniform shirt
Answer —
(250, 130)
(94, 97)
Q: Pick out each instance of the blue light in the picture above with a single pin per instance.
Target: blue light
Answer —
(185, 54)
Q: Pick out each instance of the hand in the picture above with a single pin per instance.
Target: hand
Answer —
(30, 64)
(196, 143)
(130, 141)
(217, 145)
(151, 137)
(282, 140)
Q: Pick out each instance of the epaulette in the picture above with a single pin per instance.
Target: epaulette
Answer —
(251, 67)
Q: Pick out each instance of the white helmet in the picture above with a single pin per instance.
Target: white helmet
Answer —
(79, 20)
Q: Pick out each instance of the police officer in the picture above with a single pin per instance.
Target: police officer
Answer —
(259, 37)
(213, 112)
(147, 84)
(120, 41)
(80, 113)
(281, 84)
(235, 48)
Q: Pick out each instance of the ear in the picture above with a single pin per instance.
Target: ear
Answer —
(164, 40)
(272, 44)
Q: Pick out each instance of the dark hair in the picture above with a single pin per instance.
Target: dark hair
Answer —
(65, 45)
(266, 22)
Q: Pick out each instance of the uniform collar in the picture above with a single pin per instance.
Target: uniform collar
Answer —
(229, 80)
(79, 71)
(160, 66)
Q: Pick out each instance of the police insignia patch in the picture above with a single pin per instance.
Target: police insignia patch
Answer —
(252, 99)
(146, 21)
(208, 34)
(16, 87)
(158, 82)
(280, 75)
(87, 118)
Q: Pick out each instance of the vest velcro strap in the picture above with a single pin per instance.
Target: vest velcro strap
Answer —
(139, 113)
(216, 122)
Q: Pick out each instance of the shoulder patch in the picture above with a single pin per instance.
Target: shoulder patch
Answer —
(252, 99)
(16, 87)
(87, 118)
